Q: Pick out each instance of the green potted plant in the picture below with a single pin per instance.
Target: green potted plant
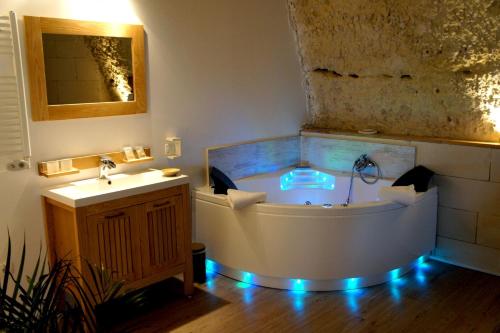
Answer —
(59, 299)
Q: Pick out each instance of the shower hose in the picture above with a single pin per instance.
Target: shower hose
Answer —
(359, 166)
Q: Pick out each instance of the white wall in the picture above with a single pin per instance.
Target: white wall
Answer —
(218, 72)
(221, 71)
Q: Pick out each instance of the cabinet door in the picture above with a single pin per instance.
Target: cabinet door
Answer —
(163, 235)
(114, 243)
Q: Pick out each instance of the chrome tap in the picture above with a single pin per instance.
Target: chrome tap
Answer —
(363, 162)
(105, 165)
(360, 164)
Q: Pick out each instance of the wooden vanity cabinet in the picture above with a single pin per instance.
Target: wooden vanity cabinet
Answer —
(140, 239)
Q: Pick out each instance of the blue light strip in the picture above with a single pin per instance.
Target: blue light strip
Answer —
(306, 178)
(352, 283)
(300, 285)
(247, 277)
(394, 274)
(210, 266)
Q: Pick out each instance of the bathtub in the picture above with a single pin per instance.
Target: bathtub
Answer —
(286, 244)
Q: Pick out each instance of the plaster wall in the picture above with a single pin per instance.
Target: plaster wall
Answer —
(218, 72)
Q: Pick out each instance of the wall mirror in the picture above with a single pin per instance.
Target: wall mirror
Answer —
(80, 69)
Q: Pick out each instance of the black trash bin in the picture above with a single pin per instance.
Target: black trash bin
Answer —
(199, 256)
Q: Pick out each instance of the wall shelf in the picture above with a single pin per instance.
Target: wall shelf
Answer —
(58, 174)
(92, 161)
(139, 160)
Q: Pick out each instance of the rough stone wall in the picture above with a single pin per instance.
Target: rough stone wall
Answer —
(413, 67)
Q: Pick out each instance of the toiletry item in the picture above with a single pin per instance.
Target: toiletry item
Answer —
(66, 165)
(139, 151)
(129, 153)
(52, 167)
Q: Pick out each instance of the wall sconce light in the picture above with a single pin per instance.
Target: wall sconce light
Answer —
(173, 147)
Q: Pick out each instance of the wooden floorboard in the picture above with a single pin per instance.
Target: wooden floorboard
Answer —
(436, 298)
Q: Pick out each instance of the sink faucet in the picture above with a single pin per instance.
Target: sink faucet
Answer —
(105, 165)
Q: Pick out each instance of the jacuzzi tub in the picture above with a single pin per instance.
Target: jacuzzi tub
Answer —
(288, 245)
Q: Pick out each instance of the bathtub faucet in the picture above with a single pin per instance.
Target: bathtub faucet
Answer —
(363, 162)
(360, 164)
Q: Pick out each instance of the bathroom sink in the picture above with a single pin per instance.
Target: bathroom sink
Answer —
(92, 191)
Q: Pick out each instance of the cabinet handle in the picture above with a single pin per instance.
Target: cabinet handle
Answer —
(114, 216)
(161, 204)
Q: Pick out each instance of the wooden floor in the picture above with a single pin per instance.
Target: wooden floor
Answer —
(436, 298)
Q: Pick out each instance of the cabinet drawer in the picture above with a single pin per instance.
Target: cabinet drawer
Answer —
(133, 200)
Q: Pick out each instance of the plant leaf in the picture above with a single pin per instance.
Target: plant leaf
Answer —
(6, 274)
(21, 270)
(34, 275)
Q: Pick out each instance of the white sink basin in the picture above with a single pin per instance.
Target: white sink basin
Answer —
(91, 191)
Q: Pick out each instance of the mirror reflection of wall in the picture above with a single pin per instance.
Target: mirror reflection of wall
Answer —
(87, 69)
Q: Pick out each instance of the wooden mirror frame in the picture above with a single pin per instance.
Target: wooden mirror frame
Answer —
(40, 109)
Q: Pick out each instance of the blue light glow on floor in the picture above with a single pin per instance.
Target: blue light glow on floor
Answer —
(353, 298)
(395, 294)
(306, 178)
(210, 284)
(297, 297)
(248, 296)
(243, 285)
(298, 304)
(420, 277)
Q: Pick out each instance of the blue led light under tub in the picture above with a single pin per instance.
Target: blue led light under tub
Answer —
(247, 277)
(298, 285)
(394, 277)
(210, 266)
(395, 273)
(301, 178)
(352, 283)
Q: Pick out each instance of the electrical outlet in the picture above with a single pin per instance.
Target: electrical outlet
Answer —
(18, 165)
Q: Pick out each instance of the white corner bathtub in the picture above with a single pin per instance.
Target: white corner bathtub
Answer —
(288, 245)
